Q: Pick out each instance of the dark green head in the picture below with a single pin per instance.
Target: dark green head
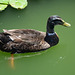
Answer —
(56, 20)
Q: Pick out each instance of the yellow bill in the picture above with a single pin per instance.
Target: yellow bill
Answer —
(66, 24)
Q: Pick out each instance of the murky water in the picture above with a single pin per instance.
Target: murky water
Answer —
(58, 60)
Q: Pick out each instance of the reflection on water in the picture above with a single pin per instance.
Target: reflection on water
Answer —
(19, 56)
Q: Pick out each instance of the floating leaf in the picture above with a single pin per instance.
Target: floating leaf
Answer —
(2, 7)
(4, 2)
(18, 4)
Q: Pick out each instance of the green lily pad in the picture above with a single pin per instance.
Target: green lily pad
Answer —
(2, 7)
(18, 4)
(4, 2)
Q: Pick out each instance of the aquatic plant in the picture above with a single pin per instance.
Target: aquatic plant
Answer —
(18, 4)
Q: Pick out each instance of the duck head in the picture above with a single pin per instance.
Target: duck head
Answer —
(55, 20)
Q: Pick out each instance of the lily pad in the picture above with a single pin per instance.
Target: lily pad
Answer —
(2, 7)
(4, 2)
(18, 4)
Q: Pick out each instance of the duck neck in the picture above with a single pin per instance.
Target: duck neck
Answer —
(50, 28)
(51, 37)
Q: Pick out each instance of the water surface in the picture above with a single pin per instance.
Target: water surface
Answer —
(58, 60)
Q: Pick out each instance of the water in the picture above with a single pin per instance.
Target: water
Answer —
(58, 60)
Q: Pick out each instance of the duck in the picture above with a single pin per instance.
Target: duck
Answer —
(30, 40)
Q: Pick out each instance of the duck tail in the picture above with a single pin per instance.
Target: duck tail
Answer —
(1, 41)
(4, 38)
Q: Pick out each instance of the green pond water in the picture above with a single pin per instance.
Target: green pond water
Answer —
(57, 60)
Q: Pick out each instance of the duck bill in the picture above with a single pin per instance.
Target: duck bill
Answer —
(66, 24)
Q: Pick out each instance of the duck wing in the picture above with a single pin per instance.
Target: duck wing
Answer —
(27, 35)
(27, 40)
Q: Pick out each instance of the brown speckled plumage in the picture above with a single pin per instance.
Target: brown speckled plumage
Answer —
(25, 40)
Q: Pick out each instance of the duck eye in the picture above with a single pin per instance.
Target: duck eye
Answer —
(58, 21)
(53, 23)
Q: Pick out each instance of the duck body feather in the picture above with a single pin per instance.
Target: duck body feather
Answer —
(23, 40)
